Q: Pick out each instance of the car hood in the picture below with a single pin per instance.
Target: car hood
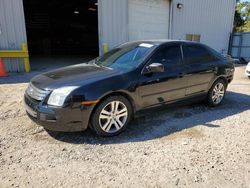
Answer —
(76, 75)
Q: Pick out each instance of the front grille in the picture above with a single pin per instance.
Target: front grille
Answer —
(35, 93)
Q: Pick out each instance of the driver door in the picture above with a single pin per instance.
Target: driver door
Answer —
(164, 87)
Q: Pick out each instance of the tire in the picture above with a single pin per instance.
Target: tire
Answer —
(216, 93)
(249, 77)
(111, 116)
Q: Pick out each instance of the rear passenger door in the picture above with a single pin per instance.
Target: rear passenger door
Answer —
(201, 68)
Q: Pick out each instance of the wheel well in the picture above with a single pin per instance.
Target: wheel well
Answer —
(118, 94)
(222, 78)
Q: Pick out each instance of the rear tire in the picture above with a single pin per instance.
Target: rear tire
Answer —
(216, 93)
(111, 116)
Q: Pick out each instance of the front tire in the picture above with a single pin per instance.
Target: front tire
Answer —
(111, 116)
(217, 92)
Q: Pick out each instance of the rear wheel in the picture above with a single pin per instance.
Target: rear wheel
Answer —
(111, 116)
(217, 92)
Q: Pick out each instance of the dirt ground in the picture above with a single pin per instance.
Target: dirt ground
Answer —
(190, 146)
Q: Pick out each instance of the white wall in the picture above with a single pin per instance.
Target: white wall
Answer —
(125, 20)
(113, 22)
(12, 31)
(148, 19)
(212, 19)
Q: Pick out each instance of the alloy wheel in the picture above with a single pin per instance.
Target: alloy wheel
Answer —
(218, 93)
(113, 116)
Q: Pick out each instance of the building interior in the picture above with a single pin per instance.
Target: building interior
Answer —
(61, 29)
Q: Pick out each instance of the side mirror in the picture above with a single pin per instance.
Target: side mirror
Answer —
(155, 67)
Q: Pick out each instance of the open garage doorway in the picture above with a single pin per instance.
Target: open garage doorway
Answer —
(61, 31)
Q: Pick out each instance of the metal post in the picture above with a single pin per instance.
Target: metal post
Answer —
(240, 45)
(105, 48)
(26, 59)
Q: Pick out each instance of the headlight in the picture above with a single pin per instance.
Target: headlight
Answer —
(58, 96)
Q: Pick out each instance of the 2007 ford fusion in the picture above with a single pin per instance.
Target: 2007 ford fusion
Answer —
(106, 92)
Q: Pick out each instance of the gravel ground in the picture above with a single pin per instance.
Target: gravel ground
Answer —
(190, 146)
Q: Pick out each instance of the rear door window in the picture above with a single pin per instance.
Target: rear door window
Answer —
(197, 54)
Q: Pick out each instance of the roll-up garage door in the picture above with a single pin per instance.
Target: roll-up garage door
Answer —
(148, 19)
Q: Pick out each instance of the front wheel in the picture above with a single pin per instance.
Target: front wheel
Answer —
(111, 116)
(217, 92)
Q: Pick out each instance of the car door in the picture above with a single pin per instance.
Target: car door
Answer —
(201, 68)
(162, 87)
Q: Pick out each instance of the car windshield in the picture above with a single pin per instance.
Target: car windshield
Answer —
(127, 56)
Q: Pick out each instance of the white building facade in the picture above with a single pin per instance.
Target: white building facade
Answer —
(119, 21)
(207, 21)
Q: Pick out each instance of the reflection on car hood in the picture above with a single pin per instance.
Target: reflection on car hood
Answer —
(76, 75)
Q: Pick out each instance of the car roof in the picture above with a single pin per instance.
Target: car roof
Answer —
(159, 42)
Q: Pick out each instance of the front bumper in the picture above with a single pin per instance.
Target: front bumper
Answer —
(66, 119)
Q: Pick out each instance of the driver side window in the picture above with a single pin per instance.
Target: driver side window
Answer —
(169, 55)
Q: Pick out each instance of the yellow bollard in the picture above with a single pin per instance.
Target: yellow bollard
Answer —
(26, 59)
(105, 48)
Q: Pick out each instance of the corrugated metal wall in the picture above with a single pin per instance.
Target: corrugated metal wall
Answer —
(240, 45)
(212, 19)
(12, 31)
(113, 22)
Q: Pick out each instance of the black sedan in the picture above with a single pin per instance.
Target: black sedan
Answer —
(106, 92)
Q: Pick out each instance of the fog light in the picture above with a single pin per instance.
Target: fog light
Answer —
(47, 117)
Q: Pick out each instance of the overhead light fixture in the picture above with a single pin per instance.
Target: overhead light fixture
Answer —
(179, 6)
(92, 9)
(76, 11)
